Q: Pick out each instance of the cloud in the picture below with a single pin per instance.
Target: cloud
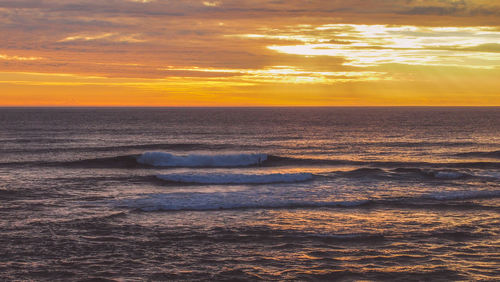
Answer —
(113, 37)
(289, 74)
(454, 8)
(372, 45)
(211, 3)
(18, 58)
(261, 8)
(87, 37)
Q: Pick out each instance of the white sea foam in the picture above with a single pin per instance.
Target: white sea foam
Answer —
(161, 159)
(231, 178)
(269, 199)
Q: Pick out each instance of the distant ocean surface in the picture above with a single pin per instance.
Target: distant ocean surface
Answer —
(250, 194)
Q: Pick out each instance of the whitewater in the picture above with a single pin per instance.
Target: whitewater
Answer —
(162, 159)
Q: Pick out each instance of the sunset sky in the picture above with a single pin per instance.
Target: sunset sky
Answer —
(249, 53)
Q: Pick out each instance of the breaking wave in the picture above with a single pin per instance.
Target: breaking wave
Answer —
(160, 159)
(231, 178)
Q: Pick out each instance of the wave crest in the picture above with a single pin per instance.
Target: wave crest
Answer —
(161, 159)
(231, 178)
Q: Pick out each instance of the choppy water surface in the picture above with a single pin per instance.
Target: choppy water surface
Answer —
(225, 194)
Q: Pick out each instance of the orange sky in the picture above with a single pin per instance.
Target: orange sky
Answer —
(249, 53)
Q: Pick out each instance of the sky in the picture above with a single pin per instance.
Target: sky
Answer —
(250, 53)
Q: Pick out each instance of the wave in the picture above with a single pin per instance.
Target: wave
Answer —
(285, 235)
(273, 160)
(154, 159)
(487, 154)
(463, 195)
(265, 200)
(435, 173)
(404, 173)
(450, 174)
(231, 178)
(164, 159)
(222, 201)
(160, 159)
(291, 235)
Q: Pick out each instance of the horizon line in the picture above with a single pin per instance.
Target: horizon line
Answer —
(222, 107)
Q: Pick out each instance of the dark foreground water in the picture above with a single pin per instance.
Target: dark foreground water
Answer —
(227, 194)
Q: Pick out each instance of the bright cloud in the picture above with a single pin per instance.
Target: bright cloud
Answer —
(134, 38)
(87, 37)
(371, 45)
(211, 3)
(18, 58)
(288, 74)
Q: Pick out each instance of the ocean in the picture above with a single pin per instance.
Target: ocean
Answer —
(225, 194)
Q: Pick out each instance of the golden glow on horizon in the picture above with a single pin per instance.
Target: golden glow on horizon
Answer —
(198, 53)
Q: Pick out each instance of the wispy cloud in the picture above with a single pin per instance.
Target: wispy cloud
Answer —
(289, 74)
(133, 38)
(18, 58)
(87, 37)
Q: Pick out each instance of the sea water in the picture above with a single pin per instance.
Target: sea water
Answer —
(250, 193)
